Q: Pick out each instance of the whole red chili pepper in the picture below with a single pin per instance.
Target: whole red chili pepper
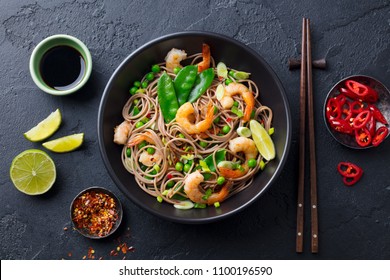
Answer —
(380, 135)
(377, 114)
(351, 172)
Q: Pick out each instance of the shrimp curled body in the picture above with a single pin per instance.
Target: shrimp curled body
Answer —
(121, 133)
(183, 119)
(191, 188)
(237, 88)
(174, 57)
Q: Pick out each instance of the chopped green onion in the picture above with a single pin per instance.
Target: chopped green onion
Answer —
(139, 124)
(217, 204)
(271, 131)
(141, 90)
(200, 205)
(237, 111)
(181, 135)
(207, 194)
(204, 166)
(241, 75)
(188, 148)
(235, 103)
(184, 205)
(262, 165)
(145, 120)
(222, 70)
(157, 168)
(164, 193)
(135, 102)
(159, 199)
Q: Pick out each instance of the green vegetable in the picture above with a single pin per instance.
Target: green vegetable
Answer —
(150, 150)
(164, 193)
(202, 83)
(207, 194)
(184, 82)
(220, 180)
(135, 111)
(137, 84)
(217, 204)
(141, 145)
(228, 81)
(262, 165)
(167, 97)
(237, 111)
(179, 166)
(203, 144)
(240, 75)
(159, 199)
(144, 84)
(235, 103)
(181, 135)
(133, 90)
(200, 205)
(219, 156)
(217, 119)
(204, 166)
(176, 69)
(226, 129)
(139, 124)
(231, 73)
(156, 68)
(128, 152)
(271, 131)
(157, 168)
(150, 76)
(206, 176)
(186, 167)
(253, 114)
(252, 163)
(170, 184)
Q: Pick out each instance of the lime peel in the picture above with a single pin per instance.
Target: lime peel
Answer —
(65, 144)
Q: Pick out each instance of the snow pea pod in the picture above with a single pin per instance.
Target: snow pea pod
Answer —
(184, 81)
(202, 83)
(219, 156)
(167, 97)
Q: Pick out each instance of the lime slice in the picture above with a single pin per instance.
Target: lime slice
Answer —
(219, 92)
(184, 205)
(45, 128)
(33, 172)
(263, 141)
(65, 144)
(240, 75)
(222, 70)
(244, 131)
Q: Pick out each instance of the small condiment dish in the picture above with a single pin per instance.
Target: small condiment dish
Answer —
(44, 47)
(383, 104)
(88, 199)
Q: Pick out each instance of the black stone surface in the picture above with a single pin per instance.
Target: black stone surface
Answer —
(354, 37)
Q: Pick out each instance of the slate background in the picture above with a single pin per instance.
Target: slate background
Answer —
(352, 35)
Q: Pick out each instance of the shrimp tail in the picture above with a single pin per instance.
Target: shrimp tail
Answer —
(205, 63)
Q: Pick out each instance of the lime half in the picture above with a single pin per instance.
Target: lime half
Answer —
(65, 144)
(33, 172)
(263, 141)
(45, 128)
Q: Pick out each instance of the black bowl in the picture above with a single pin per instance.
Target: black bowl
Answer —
(383, 105)
(234, 54)
(118, 207)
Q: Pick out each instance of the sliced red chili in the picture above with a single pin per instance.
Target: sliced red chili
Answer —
(363, 137)
(362, 92)
(361, 119)
(377, 114)
(357, 106)
(371, 125)
(380, 135)
(341, 125)
(351, 172)
(333, 109)
(346, 111)
(348, 93)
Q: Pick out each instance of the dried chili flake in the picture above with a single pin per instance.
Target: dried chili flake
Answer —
(95, 213)
(65, 228)
(69, 254)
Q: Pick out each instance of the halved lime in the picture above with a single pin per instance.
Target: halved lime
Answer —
(45, 128)
(65, 144)
(33, 172)
(262, 139)
(222, 70)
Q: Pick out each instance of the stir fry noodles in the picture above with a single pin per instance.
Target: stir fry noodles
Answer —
(194, 135)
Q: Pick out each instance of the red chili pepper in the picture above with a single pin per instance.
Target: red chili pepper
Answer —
(357, 107)
(363, 136)
(169, 176)
(371, 125)
(361, 119)
(351, 172)
(377, 114)
(346, 112)
(362, 92)
(380, 135)
(333, 109)
(341, 125)
(346, 92)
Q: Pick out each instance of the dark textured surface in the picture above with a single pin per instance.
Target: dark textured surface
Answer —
(353, 35)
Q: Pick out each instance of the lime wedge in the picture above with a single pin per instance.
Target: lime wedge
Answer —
(65, 144)
(262, 139)
(244, 131)
(222, 70)
(45, 128)
(240, 75)
(33, 172)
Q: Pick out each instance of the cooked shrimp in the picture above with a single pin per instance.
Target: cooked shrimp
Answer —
(191, 188)
(205, 63)
(121, 133)
(149, 160)
(174, 57)
(139, 138)
(236, 145)
(186, 111)
(237, 88)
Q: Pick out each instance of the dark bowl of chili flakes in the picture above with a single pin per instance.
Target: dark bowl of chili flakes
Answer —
(357, 112)
(96, 212)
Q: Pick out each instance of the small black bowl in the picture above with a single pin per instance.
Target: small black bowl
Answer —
(118, 210)
(383, 105)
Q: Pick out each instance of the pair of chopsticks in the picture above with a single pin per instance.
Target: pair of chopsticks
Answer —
(306, 92)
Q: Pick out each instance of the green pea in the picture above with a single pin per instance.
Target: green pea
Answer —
(155, 68)
(160, 199)
(139, 124)
(215, 110)
(150, 76)
(133, 90)
(203, 144)
(217, 119)
(231, 73)
(226, 129)
(141, 145)
(179, 166)
(137, 84)
(150, 150)
(187, 167)
(228, 81)
(170, 184)
(190, 162)
(136, 101)
(220, 180)
(144, 84)
(181, 135)
(128, 152)
(176, 70)
(252, 163)
(235, 103)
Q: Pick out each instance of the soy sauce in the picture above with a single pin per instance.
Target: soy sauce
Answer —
(62, 67)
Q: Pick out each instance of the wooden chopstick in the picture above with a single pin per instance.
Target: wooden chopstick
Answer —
(302, 115)
(306, 84)
(312, 148)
